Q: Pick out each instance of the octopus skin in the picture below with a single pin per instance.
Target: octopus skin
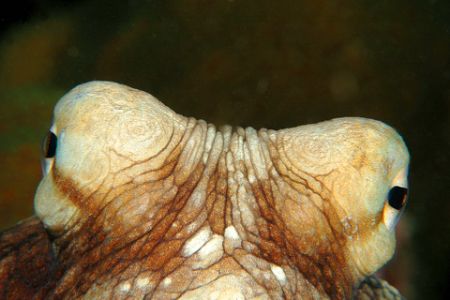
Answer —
(139, 202)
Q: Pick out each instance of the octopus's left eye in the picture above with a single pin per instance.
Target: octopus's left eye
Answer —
(397, 197)
(49, 146)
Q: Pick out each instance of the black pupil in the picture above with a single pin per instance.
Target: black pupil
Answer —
(397, 197)
(50, 145)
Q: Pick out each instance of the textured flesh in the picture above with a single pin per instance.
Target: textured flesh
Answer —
(176, 246)
(29, 268)
(167, 207)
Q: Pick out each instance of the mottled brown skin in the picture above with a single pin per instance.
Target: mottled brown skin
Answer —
(30, 268)
(26, 260)
(139, 202)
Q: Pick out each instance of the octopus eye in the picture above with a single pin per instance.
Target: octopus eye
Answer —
(49, 146)
(397, 197)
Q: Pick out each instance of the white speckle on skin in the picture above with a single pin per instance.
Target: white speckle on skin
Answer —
(231, 233)
(279, 273)
(196, 242)
(213, 245)
(252, 178)
(125, 287)
(142, 282)
(210, 253)
(167, 281)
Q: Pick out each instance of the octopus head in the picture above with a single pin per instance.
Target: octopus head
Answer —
(349, 175)
(356, 171)
(99, 129)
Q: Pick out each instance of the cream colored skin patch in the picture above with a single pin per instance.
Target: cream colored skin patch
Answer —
(279, 273)
(196, 242)
(166, 206)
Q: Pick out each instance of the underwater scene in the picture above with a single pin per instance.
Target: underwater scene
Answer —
(264, 64)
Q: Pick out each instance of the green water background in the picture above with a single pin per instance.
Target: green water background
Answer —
(263, 63)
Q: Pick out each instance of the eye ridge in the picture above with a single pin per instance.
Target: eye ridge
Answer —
(50, 144)
(397, 197)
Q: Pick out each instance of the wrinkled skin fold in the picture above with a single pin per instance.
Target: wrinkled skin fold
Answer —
(138, 201)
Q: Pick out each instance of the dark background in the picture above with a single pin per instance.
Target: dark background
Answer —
(253, 63)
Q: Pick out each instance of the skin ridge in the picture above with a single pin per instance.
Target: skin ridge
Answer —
(89, 255)
(142, 202)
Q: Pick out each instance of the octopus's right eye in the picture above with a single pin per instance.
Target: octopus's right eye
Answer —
(49, 147)
(397, 197)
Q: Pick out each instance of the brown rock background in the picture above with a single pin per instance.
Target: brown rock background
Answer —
(261, 63)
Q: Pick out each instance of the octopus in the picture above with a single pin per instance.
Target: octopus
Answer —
(139, 202)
